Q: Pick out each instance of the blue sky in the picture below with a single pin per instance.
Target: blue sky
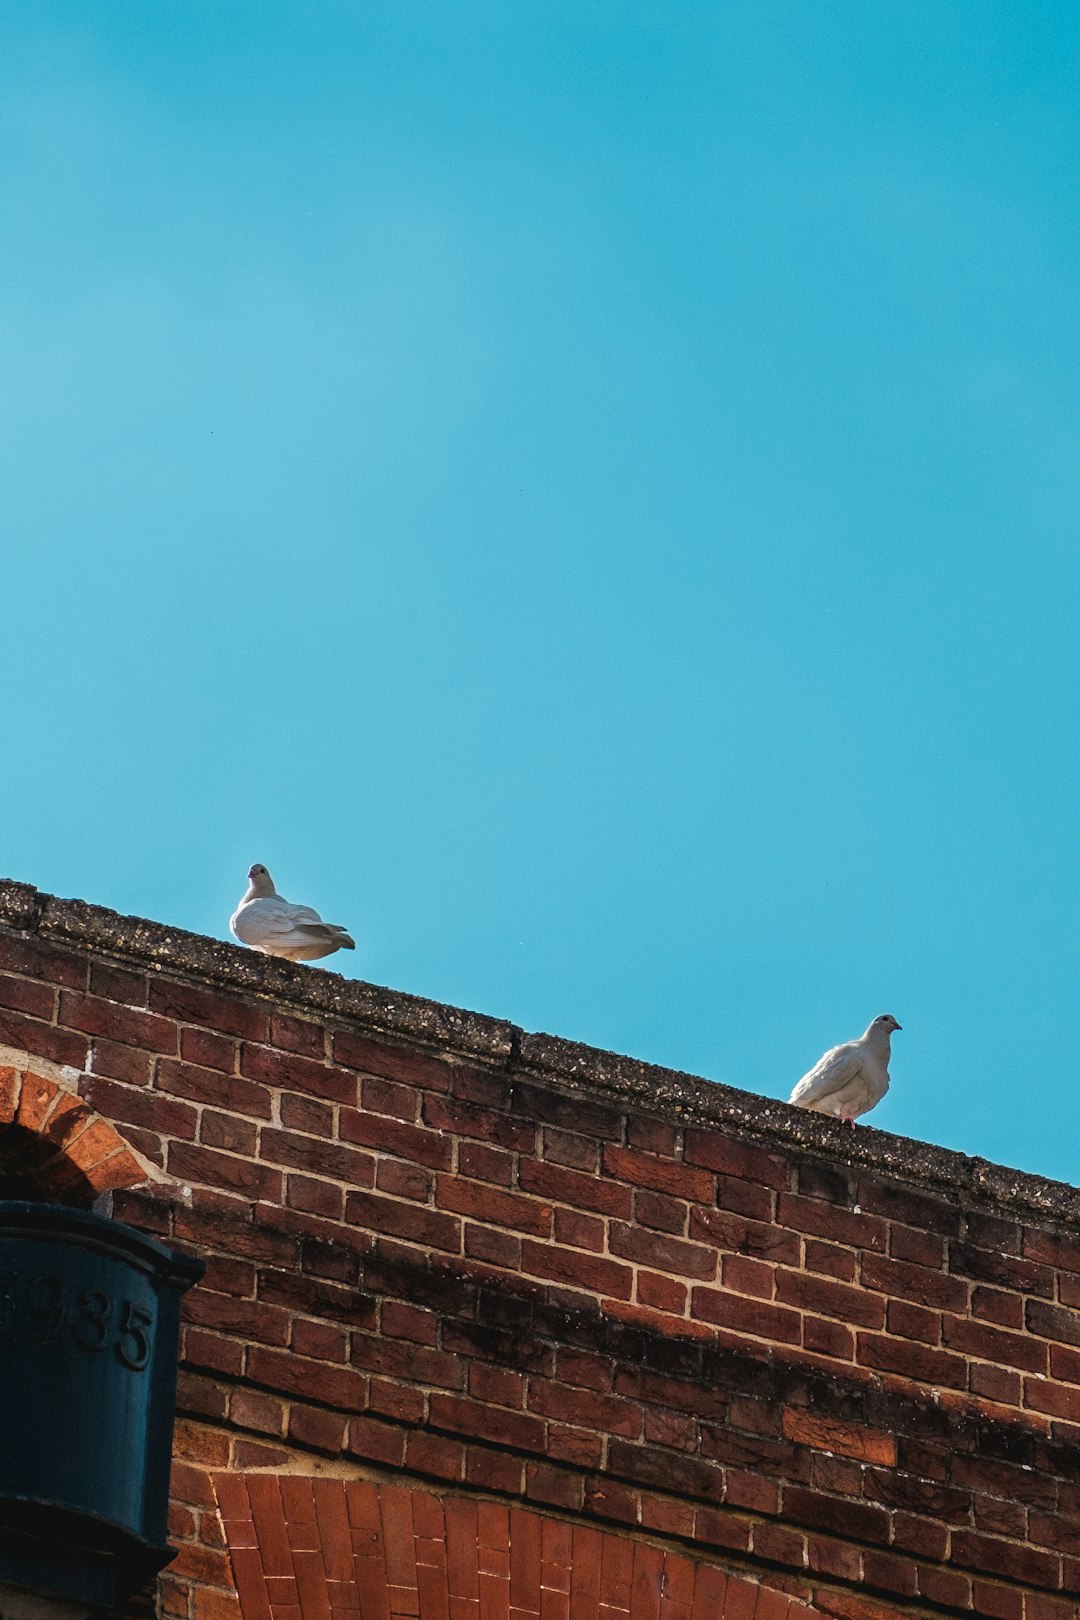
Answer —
(587, 494)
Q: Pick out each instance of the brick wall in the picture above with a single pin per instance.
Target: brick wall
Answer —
(844, 1363)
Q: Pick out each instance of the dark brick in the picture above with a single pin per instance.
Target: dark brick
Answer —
(207, 1086)
(216, 1169)
(190, 1004)
(388, 1135)
(294, 1073)
(392, 1062)
(319, 1157)
(662, 1175)
(405, 1220)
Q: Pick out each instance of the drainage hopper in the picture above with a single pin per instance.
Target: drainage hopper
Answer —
(89, 1327)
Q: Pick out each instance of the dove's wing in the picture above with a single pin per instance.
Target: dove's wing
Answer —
(832, 1073)
(304, 914)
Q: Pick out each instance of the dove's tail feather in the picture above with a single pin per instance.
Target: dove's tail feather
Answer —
(346, 941)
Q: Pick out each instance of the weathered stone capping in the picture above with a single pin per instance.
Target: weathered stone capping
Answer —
(455, 1032)
(840, 1366)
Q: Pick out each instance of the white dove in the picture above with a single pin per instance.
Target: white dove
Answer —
(850, 1079)
(270, 924)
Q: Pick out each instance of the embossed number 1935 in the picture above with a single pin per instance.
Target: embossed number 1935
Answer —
(43, 1309)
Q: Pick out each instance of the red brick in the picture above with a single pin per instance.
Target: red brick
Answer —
(585, 1407)
(1052, 1322)
(317, 1430)
(42, 1040)
(228, 1132)
(569, 1149)
(92, 1146)
(994, 1384)
(554, 1486)
(920, 1248)
(213, 1352)
(745, 1276)
(580, 1231)
(220, 1090)
(814, 1216)
(714, 1527)
(114, 1171)
(994, 1305)
(1058, 1249)
(489, 1204)
(118, 984)
(392, 1062)
(990, 1556)
(662, 1175)
(911, 1360)
(138, 1105)
(712, 1151)
(913, 1322)
(497, 1385)
(341, 1387)
(779, 1545)
(320, 1158)
(652, 1135)
(543, 1105)
(320, 1340)
(307, 1114)
(191, 1004)
(494, 1424)
(829, 1259)
(401, 1321)
(588, 1271)
(376, 1442)
(36, 1101)
(404, 1180)
(315, 1197)
(498, 1248)
(388, 1135)
(838, 1515)
(661, 1293)
(985, 1265)
(750, 1316)
(493, 1471)
(215, 1169)
(991, 1344)
(294, 1073)
(131, 1028)
(662, 1253)
(248, 1319)
(825, 1298)
(203, 1047)
(39, 960)
(396, 1400)
(900, 1203)
(1061, 1401)
(124, 1063)
(28, 996)
(389, 1097)
(453, 1116)
(574, 1188)
(404, 1220)
(661, 1212)
(850, 1440)
(901, 1280)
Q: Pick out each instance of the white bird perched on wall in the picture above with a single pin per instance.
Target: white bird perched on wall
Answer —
(270, 924)
(850, 1079)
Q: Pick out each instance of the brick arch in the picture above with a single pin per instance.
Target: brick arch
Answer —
(312, 1548)
(55, 1142)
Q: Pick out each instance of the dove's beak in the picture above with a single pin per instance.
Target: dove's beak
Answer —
(898, 1026)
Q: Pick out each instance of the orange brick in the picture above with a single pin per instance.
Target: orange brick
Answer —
(825, 1434)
